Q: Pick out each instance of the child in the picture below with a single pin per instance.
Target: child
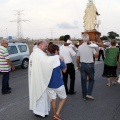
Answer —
(56, 85)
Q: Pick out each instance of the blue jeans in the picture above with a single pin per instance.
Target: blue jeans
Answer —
(87, 69)
(5, 81)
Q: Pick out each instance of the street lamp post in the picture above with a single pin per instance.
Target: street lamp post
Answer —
(6, 33)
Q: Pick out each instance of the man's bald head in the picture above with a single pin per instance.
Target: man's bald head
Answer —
(42, 45)
(4, 42)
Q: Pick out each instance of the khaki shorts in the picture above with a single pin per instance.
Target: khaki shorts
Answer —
(59, 91)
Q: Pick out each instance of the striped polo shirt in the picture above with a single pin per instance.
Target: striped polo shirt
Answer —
(4, 67)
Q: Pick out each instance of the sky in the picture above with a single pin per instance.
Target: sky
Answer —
(54, 18)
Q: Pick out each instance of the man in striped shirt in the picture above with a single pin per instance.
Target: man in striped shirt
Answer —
(5, 67)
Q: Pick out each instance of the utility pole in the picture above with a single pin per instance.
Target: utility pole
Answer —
(51, 31)
(19, 25)
(6, 33)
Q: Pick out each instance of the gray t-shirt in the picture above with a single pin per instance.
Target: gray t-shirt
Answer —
(86, 53)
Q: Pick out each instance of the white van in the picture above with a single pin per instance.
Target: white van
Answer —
(19, 54)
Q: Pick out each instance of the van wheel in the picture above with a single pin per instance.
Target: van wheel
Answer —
(24, 64)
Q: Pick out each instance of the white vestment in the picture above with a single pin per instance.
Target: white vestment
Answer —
(39, 74)
(44, 103)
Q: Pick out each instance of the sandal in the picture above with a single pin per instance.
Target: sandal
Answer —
(108, 84)
(114, 83)
(56, 117)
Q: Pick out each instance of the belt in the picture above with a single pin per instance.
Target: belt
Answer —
(87, 63)
(68, 63)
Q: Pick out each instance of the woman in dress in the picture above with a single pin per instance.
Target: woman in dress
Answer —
(110, 63)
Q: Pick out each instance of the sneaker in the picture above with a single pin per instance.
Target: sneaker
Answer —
(84, 98)
(90, 97)
(72, 93)
(9, 88)
(6, 92)
(114, 83)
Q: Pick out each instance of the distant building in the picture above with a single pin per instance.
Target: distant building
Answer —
(1, 38)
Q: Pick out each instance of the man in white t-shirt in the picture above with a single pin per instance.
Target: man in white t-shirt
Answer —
(67, 53)
(85, 64)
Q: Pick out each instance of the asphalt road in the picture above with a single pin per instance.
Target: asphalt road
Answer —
(106, 106)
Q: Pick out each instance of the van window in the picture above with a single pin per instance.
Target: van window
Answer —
(22, 48)
(12, 50)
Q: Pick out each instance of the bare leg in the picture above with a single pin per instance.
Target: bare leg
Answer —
(114, 80)
(108, 82)
(53, 104)
(87, 77)
(60, 106)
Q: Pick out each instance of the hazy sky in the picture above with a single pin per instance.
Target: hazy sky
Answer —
(53, 18)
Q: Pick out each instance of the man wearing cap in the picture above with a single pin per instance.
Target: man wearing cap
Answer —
(5, 67)
(67, 53)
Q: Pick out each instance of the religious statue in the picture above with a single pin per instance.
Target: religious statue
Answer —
(90, 17)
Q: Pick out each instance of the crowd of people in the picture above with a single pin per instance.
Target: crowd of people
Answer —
(50, 68)
(52, 80)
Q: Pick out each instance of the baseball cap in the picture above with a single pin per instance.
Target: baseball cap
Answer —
(69, 41)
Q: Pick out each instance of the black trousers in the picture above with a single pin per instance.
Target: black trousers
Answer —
(5, 81)
(71, 72)
(101, 53)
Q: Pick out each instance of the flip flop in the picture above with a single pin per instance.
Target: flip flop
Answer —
(56, 117)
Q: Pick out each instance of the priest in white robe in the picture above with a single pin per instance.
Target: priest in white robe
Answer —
(39, 74)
